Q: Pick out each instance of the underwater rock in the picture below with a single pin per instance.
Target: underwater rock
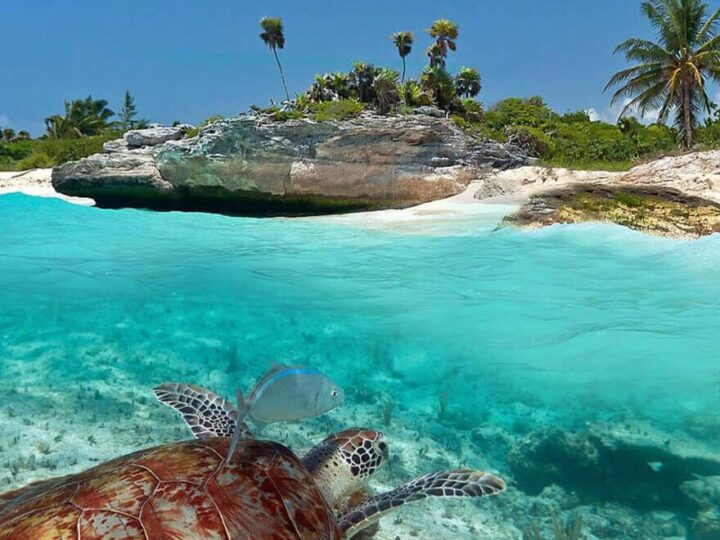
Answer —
(252, 165)
(654, 465)
(655, 210)
(707, 525)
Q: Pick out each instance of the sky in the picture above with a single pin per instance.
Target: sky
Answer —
(187, 59)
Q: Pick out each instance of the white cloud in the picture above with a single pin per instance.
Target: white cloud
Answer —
(611, 114)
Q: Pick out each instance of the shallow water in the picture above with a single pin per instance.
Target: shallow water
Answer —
(458, 325)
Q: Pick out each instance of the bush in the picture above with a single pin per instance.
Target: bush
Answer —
(41, 153)
(38, 160)
(336, 110)
(15, 151)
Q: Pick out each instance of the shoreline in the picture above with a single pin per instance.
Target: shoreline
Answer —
(36, 183)
(680, 194)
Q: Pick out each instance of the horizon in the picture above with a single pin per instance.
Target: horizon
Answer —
(186, 65)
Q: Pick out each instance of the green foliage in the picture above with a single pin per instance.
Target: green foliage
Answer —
(670, 74)
(362, 79)
(413, 95)
(467, 82)
(83, 117)
(445, 33)
(439, 85)
(273, 36)
(403, 42)
(572, 139)
(337, 110)
(272, 32)
(128, 115)
(49, 152)
(385, 88)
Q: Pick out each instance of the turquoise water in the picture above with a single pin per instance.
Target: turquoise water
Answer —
(560, 327)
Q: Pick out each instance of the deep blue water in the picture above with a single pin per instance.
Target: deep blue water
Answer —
(577, 322)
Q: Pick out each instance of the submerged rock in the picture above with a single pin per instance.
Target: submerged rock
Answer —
(632, 463)
(656, 210)
(252, 165)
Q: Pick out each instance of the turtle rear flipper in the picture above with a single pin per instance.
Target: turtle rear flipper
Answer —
(206, 413)
(458, 483)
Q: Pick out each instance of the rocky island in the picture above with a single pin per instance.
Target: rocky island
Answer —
(255, 166)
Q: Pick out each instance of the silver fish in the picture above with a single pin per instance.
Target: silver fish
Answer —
(286, 394)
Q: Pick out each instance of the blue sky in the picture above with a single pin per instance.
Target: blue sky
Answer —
(186, 60)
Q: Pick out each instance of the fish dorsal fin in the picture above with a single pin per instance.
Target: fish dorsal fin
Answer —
(459, 483)
(206, 413)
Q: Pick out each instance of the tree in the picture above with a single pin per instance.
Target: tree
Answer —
(439, 85)
(82, 117)
(670, 74)
(274, 37)
(8, 134)
(445, 33)
(128, 112)
(404, 42)
(23, 136)
(467, 82)
(363, 81)
(386, 90)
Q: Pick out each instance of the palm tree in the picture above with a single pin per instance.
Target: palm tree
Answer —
(439, 85)
(274, 37)
(670, 74)
(467, 82)
(445, 33)
(404, 42)
(60, 127)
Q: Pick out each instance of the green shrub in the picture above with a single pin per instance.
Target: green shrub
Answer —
(37, 160)
(336, 110)
(62, 150)
(15, 151)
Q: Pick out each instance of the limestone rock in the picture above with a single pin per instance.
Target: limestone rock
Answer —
(251, 165)
(647, 208)
(137, 138)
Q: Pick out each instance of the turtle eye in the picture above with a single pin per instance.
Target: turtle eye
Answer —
(333, 393)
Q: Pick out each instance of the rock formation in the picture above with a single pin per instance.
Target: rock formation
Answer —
(252, 165)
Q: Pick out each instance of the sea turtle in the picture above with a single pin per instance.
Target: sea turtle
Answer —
(186, 490)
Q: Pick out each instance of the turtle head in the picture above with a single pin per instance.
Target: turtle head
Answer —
(363, 451)
(342, 463)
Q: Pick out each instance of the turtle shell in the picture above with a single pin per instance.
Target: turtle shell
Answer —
(179, 490)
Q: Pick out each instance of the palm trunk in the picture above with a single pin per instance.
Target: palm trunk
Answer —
(282, 74)
(687, 117)
(403, 74)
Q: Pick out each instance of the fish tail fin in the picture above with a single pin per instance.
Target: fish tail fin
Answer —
(242, 411)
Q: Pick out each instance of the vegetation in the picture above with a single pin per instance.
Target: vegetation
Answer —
(467, 82)
(49, 152)
(81, 131)
(572, 139)
(670, 75)
(403, 42)
(445, 33)
(337, 110)
(274, 37)
(128, 114)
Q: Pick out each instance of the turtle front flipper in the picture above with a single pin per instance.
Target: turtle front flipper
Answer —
(206, 414)
(458, 483)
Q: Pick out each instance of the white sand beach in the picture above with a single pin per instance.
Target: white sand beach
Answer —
(35, 182)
